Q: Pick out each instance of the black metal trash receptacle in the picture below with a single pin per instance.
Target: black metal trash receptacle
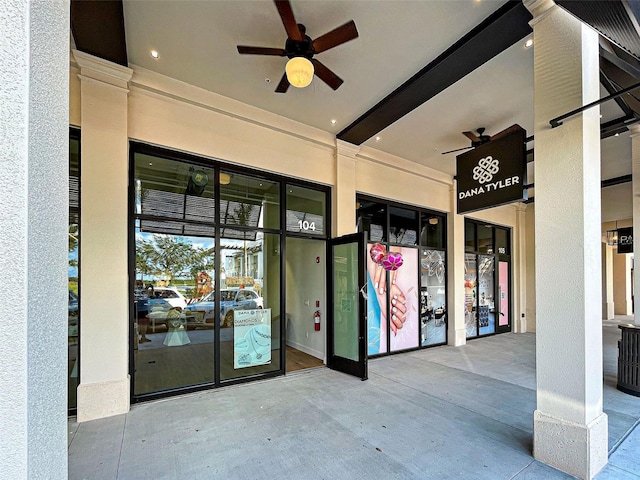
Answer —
(629, 360)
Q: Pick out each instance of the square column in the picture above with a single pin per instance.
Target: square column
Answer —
(104, 388)
(570, 428)
(457, 333)
(34, 205)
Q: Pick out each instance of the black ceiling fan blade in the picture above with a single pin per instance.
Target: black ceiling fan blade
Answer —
(288, 20)
(283, 86)
(280, 52)
(456, 150)
(506, 132)
(326, 75)
(471, 136)
(335, 37)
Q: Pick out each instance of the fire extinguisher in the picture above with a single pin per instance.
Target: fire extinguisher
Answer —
(316, 320)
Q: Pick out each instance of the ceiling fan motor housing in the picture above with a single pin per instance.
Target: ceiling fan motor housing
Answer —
(295, 48)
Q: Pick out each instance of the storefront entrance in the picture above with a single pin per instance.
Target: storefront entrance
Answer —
(487, 292)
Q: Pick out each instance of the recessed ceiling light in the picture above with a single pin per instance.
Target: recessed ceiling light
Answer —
(333, 121)
(150, 164)
(528, 43)
(378, 138)
(155, 54)
(617, 134)
(267, 80)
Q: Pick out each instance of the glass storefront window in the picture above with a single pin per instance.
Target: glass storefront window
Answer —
(174, 319)
(470, 237)
(403, 226)
(249, 201)
(170, 189)
(433, 299)
(73, 270)
(502, 242)
(470, 294)
(485, 239)
(432, 234)
(250, 311)
(406, 306)
(372, 218)
(306, 211)
(486, 301)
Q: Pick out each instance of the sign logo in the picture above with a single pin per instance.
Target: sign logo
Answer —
(485, 170)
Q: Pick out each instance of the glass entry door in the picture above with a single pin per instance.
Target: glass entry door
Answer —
(346, 326)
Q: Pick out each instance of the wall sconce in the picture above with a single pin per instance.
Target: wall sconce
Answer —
(299, 71)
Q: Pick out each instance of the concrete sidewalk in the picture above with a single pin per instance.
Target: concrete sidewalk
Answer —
(440, 413)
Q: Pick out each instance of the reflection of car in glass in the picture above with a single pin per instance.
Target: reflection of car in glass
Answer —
(230, 300)
(167, 295)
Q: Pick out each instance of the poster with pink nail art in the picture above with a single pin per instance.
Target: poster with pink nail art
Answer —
(404, 301)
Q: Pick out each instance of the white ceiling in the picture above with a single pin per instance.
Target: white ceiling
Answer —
(197, 44)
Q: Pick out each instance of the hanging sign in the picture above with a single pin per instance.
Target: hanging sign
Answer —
(625, 240)
(492, 174)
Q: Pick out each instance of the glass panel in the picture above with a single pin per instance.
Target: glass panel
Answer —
(249, 201)
(486, 289)
(403, 306)
(74, 310)
(372, 218)
(432, 234)
(72, 272)
(250, 311)
(174, 345)
(469, 236)
(485, 239)
(470, 292)
(503, 294)
(502, 241)
(345, 308)
(433, 295)
(306, 210)
(376, 300)
(173, 189)
(403, 226)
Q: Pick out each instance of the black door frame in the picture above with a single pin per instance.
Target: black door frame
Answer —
(357, 368)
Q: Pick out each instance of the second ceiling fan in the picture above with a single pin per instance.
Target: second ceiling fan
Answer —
(300, 49)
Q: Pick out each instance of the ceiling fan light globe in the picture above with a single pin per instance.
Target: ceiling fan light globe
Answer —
(299, 72)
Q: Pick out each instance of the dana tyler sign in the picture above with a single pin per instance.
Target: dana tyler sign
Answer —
(625, 240)
(492, 174)
(251, 337)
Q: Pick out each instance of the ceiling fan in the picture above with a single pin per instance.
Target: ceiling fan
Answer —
(481, 138)
(300, 45)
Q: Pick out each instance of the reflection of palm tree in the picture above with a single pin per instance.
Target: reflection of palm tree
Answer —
(242, 213)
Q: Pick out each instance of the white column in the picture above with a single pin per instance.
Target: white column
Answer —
(570, 428)
(344, 199)
(635, 172)
(607, 282)
(621, 283)
(457, 333)
(34, 216)
(104, 275)
(519, 250)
